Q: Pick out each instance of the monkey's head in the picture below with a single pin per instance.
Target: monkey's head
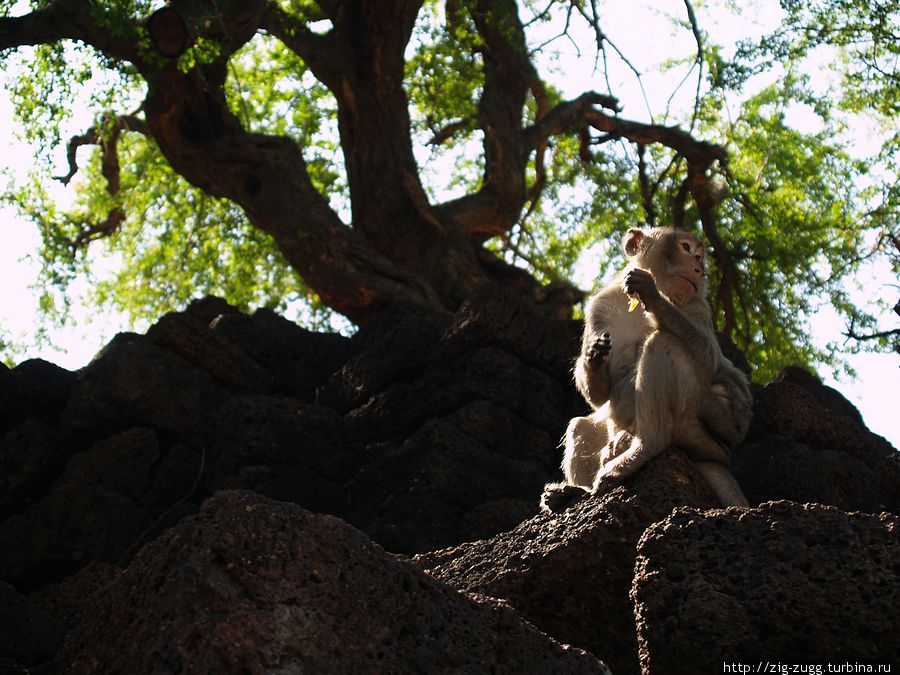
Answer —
(675, 258)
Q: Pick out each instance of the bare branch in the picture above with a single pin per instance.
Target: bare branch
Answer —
(646, 191)
(851, 333)
(602, 39)
(699, 59)
(567, 115)
(106, 135)
(698, 153)
(89, 233)
(320, 52)
(449, 131)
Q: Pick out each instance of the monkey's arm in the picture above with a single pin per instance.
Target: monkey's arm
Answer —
(592, 370)
(699, 340)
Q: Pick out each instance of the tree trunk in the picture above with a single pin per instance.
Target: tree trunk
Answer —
(399, 247)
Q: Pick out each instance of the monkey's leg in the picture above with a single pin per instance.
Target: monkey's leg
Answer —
(663, 389)
(700, 445)
(726, 411)
(723, 483)
(585, 439)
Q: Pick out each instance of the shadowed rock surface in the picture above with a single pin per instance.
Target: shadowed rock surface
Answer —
(432, 433)
(801, 584)
(807, 444)
(570, 573)
(250, 586)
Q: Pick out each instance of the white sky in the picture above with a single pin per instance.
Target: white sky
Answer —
(874, 392)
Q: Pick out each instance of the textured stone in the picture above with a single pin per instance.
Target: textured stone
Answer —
(498, 320)
(34, 388)
(284, 449)
(431, 490)
(66, 599)
(31, 458)
(121, 463)
(776, 467)
(193, 340)
(806, 443)
(72, 526)
(397, 347)
(570, 573)
(28, 635)
(298, 361)
(253, 586)
(784, 582)
(136, 383)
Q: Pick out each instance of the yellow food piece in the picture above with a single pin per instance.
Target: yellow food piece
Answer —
(634, 302)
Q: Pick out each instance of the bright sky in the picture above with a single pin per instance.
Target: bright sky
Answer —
(874, 392)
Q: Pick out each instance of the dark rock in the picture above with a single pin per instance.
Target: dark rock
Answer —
(396, 348)
(28, 634)
(284, 449)
(175, 477)
(775, 467)
(415, 496)
(121, 463)
(31, 458)
(784, 582)
(72, 526)
(138, 384)
(12, 667)
(494, 516)
(194, 341)
(298, 361)
(570, 573)
(34, 388)
(482, 375)
(66, 599)
(828, 397)
(786, 408)
(518, 328)
(210, 308)
(252, 585)
(806, 445)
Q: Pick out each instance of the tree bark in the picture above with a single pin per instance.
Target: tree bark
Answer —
(399, 246)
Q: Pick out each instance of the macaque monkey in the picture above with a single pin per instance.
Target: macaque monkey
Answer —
(655, 375)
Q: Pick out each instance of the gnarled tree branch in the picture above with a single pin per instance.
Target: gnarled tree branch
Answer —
(106, 135)
(70, 20)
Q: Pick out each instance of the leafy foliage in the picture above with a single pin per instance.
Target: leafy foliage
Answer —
(800, 213)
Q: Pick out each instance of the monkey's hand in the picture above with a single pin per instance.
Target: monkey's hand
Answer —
(597, 351)
(641, 283)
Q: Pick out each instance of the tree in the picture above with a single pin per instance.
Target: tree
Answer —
(248, 101)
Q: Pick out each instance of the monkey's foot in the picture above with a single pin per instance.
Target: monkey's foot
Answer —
(558, 497)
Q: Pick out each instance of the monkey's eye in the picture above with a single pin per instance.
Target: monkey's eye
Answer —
(686, 246)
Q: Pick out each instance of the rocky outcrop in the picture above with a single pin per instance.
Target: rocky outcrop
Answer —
(808, 444)
(250, 585)
(570, 574)
(788, 582)
(416, 430)
(432, 433)
(29, 636)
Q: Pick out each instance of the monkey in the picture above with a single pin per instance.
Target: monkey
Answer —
(654, 377)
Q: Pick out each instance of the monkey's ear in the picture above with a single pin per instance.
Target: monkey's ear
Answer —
(632, 241)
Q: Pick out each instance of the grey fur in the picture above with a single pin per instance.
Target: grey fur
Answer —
(657, 377)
